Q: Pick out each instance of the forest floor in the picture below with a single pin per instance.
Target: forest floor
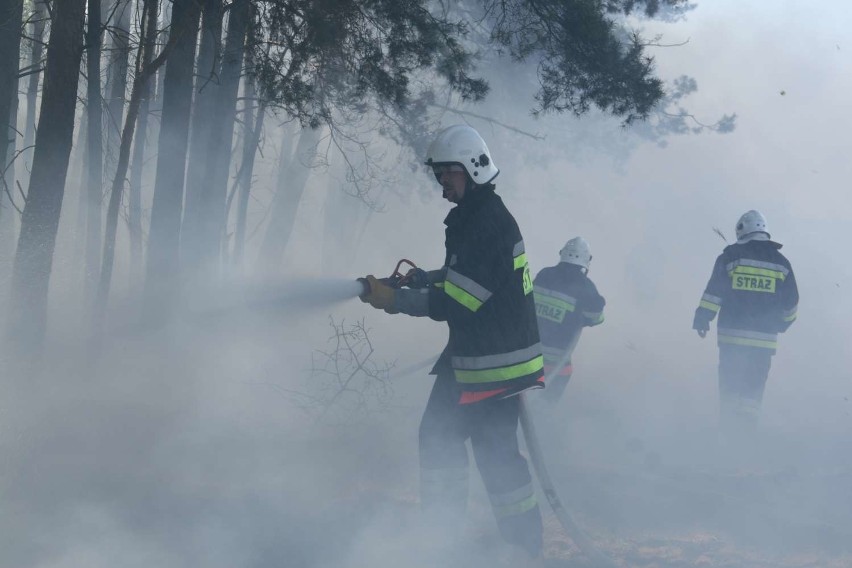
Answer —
(198, 462)
(669, 520)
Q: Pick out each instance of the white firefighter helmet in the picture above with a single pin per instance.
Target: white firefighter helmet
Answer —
(460, 144)
(576, 251)
(750, 223)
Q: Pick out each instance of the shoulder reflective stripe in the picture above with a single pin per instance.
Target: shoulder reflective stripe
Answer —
(747, 338)
(519, 248)
(501, 374)
(497, 360)
(462, 297)
(438, 284)
(547, 292)
(790, 315)
(758, 267)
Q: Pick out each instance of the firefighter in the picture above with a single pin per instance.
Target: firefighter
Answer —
(566, 301)
(484, 293)
(754, 291)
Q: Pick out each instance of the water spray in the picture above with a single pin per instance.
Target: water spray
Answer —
(295, 295)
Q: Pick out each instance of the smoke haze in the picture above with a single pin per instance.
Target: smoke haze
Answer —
(205, 441)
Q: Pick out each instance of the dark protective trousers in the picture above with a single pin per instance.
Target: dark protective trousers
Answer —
(743, 372)
(492, 426)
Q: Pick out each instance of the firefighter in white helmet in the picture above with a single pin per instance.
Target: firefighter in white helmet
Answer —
(566, 301)
(753, 289)
(484, 293)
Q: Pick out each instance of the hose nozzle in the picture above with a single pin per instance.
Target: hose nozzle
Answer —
(365, 287)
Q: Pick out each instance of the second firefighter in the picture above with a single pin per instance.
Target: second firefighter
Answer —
(566, 301)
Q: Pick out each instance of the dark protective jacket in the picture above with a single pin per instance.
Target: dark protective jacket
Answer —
(754, 291)
(486, 299)
(566, 301)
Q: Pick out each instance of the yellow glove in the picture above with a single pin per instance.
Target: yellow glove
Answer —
(381, 296)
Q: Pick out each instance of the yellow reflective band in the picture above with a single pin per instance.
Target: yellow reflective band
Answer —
(598, 320)
(791, 317)
(515, 508)
(709, 306)
(554, 302)
(520, 261)
(462, 297)
(754, 271)
(550, 308)
(748, 342)
(501, 373)
(438, 284)
(753, 283)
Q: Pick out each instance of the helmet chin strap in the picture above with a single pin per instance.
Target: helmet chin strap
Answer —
(469, 185)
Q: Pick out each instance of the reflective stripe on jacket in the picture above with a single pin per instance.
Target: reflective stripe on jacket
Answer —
(487, 299)
(753, 289)
(566, 301)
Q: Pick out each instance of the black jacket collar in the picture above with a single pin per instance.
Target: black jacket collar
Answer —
(474, 199)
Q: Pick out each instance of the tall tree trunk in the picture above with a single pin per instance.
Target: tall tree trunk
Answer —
(7, 209)
(36, 53)
(155, 105)
(207, 86)
(79, 158)
(162, 268)
(94, 141)
(117, 81)
(251, 139)
(202, 262)
(292, 178)
(165, 23)
(11, 21)
(135, 191)
(145, 69)
(40, 220)
(10, 161)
